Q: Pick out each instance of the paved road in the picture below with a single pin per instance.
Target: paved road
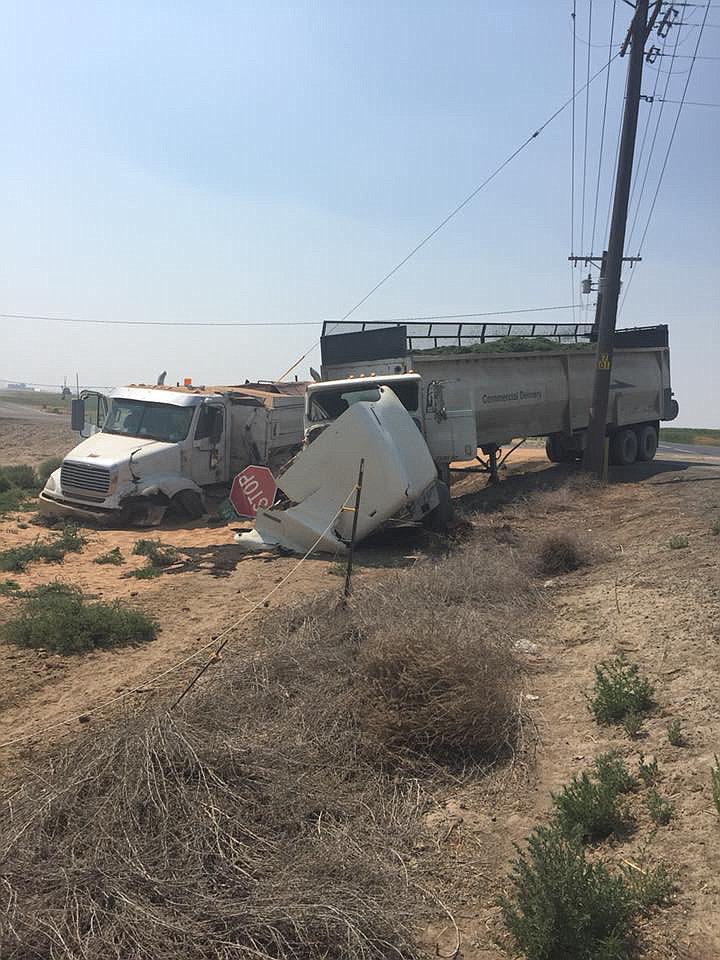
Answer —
(693, 450)
(24, 411)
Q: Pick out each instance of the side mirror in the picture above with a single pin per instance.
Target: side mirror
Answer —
(77, 415)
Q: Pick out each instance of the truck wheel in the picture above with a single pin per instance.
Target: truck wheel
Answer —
(558, 452)
(188, 504)
(647, 438)
(439, 519)
(624, 447)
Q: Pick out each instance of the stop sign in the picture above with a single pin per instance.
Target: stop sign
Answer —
(252, 489)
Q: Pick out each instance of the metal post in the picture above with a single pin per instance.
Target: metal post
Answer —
(609, 302)
(351, 551)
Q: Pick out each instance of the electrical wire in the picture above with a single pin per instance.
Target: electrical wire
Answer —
(463, 203)
(572, 162)
(587, 118)
(602, 131)
(652, 148)
(271, 323)
(667, 153)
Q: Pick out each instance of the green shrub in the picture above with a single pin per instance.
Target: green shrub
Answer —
(562, 907)
(612, 772)
(649, 886)
(58, 617)
(632, 725)
(12, 498)
(8, 587)
(158, 556)
(675, 734)
(715, 528)
(21, 475)
(16, 559)
(48, 467)
(678, 542)
(113, 557)
(620, 692)
(660, 809)
(649, 773)
(588, 809)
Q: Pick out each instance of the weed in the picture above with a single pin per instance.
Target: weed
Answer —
(611, 771)
(715, 528)
(660, 809)
(21, 475)
(559, 553)
(715, 784)
(620, 692)
(337, 569)
(649, 773)
(632, 725)
(16, 559)
(113, 557)
(48, 467)
(8, 587)
(678, 542)
(158, 556)
(12, 498)
(563, 906)
(649, 886)
(675, 734)
(58, 617)
(588, 809)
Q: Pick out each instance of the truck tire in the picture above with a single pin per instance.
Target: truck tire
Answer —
(439, 519)
(647, 437)
(188, 504)
(557, 451)
(624, 447)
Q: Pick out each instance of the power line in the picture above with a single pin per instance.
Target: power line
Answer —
(463, 203)
(692, 103)
(602, 130)
(572, 159)
(587, 117)
(278, 323)
(652, 144)
(667, 152)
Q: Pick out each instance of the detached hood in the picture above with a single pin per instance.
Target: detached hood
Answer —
(110, 449)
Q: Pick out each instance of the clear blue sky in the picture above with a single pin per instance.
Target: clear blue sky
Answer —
(241, 161)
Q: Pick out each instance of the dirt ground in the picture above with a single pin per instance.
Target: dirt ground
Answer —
(656, 604)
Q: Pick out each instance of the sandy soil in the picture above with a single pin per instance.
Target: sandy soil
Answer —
(33, 438)
(659, 606)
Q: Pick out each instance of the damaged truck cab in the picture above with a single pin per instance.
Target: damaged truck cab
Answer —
(147, 449)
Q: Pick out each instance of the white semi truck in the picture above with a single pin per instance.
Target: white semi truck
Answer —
(457, 400)
(150, 448)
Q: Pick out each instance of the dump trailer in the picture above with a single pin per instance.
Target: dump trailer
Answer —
(464, 398)
(149, 448)
(408, 409)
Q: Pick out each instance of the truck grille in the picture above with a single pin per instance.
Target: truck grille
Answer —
(84, 476)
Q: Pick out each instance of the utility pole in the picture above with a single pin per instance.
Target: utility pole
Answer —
(637, 35)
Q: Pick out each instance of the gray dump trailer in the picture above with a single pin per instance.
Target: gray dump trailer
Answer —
(467, 399)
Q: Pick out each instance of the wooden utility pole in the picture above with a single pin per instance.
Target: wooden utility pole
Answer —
(637, 35)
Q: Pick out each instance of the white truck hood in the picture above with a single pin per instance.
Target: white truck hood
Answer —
(109, 449)
(322, 478)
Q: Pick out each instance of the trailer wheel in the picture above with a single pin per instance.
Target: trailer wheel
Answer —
(439, 519)
(558, 452)
(647, 437)
(624, 447)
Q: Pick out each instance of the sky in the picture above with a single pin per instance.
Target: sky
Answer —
(269, 163)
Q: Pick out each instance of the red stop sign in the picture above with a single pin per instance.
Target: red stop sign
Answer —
(252, 489)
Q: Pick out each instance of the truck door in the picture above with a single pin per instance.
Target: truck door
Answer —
(449, 423)
(95, 410)
(208, 446)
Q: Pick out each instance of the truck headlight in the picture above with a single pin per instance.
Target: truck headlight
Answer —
(50, 483)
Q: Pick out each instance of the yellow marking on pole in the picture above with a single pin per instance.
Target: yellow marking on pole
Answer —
(603, 362)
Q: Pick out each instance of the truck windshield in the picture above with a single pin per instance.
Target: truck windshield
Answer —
(154, 421)
(330, 404)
